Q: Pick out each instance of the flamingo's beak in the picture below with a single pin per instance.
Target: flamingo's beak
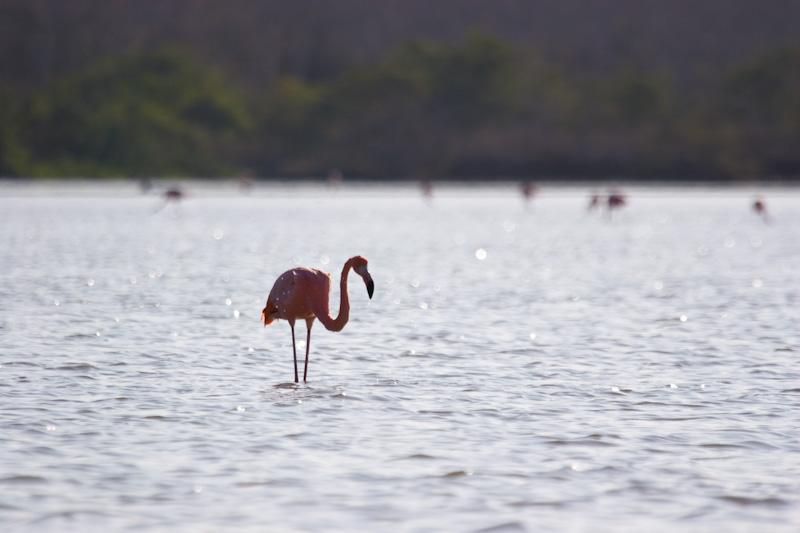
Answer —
(362, 271)
(370, 287)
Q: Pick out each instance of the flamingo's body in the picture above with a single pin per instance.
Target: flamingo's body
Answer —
(303, 293)
(616, 200)
(173, 194)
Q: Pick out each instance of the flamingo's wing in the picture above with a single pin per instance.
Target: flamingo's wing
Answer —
(298, 293)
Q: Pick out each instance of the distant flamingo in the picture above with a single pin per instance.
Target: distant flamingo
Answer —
(173, 195)
(427, 190)
(245, 180)
(594, 201)
(304, 293)
(616, 200)
(529, 190)
(334, 179)
(760, 207)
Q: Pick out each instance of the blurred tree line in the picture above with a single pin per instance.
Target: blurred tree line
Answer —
(480, 104)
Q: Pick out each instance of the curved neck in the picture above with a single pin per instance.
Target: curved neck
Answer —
(336, 324)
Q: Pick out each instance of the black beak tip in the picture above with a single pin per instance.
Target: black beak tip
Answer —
(370, 288)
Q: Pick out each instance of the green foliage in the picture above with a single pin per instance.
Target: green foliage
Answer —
(475, 108)
(635, 98)
(394, 117)
(151, 114)
(12, 153)
(766, 89)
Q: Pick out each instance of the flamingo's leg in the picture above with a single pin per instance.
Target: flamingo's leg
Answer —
(294, 351)
(309, 323)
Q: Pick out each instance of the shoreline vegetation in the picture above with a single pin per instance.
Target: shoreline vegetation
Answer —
(479, 107)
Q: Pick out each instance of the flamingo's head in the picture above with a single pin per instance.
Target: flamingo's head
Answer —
(359, 264)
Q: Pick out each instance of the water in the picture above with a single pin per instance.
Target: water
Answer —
(518, 369)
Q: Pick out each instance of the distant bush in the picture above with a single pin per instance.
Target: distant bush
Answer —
(159, 113)
(477, 108)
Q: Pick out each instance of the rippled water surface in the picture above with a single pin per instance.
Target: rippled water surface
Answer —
(519, 368)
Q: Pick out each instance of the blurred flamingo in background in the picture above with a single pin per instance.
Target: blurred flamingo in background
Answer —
(760, 207)
(616, 200)
(304, 293)
(334, 179)
(245, 180)
(172, 195)
(427, 190)
(529, 190)
(594, 202)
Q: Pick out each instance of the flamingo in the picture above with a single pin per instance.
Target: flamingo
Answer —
(304, 293)
(529, 190)
(334, 179)
(172, 195)
(594, 201)
(616, 200)
(760, 207)
(427, 190)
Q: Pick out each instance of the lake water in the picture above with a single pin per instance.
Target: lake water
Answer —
(520, 367)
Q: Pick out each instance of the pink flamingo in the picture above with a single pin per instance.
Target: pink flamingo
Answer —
(594, 201)
(427, 190)
(173, 194)
(616, 200)
(529, 190)
(304, 293)
(335, 179)
(760, 207)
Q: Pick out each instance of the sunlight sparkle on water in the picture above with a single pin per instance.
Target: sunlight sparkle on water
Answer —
(509, 374)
